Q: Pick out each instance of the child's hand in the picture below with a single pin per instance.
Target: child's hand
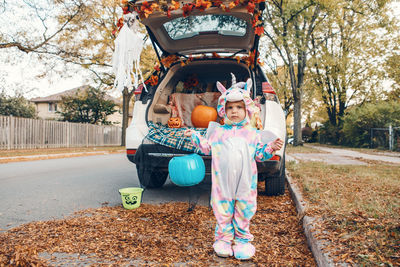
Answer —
(188, 132)
(277, 144)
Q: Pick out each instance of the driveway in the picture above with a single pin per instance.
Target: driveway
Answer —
(340, 156)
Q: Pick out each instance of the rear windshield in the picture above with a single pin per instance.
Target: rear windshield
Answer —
(182, 28)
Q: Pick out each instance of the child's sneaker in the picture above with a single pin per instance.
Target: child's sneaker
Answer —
(243, 251)
(223, 248)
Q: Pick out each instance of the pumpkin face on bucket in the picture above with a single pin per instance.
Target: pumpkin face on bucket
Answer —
(174, 122)
(202, 115)
(186, 170)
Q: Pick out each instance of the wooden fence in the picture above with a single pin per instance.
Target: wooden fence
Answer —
(22, 133)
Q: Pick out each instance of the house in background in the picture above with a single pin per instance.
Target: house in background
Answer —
(47, 107)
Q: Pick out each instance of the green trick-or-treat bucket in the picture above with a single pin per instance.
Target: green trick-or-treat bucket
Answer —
(131, 197)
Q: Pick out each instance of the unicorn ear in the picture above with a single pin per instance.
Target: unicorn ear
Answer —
(221, 88)
(248, 85)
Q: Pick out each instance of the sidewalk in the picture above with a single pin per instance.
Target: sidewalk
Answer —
(342, 156)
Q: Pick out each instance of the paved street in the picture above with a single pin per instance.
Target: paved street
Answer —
(54, 188)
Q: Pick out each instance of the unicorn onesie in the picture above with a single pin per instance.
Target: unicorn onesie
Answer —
(235, 147)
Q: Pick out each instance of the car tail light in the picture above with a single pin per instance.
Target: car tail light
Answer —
(269, 92)
(138, 91)
(131, 151)
(267, 88)
(275, 157)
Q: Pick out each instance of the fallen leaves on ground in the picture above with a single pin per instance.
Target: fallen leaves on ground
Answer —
(162, 234)
(357, 209)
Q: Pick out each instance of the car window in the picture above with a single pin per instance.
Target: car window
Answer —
(182, 28)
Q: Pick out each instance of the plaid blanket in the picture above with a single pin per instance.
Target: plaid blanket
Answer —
(172, 137)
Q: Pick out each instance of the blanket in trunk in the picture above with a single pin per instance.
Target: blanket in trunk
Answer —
(172, 137)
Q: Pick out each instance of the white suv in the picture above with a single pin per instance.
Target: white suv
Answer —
(195, 52)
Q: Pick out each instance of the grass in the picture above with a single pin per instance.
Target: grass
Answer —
(359, 207)
(46, 151)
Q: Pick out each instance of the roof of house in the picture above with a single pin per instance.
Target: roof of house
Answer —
(57, 97)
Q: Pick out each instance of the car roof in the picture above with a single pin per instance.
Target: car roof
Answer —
(201, 31)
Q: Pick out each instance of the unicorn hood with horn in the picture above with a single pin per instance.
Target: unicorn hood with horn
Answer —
(237, 92)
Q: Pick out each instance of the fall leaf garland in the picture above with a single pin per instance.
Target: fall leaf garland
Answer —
(146, 8)
(172, 59)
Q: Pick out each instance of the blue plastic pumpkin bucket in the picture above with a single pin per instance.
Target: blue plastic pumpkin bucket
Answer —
(186, 170)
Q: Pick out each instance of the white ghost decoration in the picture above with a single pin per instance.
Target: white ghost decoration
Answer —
(126, 57)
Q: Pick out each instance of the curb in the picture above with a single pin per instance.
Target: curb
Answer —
(322, 259)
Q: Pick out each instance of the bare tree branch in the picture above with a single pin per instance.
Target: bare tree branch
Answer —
(46, 39)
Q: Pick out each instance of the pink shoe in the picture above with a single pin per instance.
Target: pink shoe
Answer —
(223, 248)
(243, 251)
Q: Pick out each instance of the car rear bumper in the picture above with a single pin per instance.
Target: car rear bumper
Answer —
(158, 156)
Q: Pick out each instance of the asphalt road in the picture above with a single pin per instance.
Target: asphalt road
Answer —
(56, 188)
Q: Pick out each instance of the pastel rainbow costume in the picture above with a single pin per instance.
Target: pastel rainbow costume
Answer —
(235, 148)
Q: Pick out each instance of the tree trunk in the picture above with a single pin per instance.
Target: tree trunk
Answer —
(126, 98)
(297, 138)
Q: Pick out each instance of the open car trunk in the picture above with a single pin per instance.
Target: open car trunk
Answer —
(183, 88)
(212, 30)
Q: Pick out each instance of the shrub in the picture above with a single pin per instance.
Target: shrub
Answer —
(330, 134)
(359, 120)
(17, 106)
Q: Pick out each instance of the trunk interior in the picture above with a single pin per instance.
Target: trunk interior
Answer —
(185, 87)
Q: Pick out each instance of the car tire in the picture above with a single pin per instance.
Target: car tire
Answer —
(151, 178)
(275, 185)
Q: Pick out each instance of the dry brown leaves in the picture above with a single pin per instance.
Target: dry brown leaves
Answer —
(358, 210)
(163, 234)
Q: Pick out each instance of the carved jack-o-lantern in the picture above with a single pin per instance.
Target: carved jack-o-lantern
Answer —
(174, 122)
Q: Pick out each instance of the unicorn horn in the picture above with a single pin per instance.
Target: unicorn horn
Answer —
(233, 79)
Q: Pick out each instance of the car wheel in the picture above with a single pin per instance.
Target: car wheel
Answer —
(275, 185)
(151, 178)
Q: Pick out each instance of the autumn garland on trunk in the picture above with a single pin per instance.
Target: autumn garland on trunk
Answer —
(145, 9)
(172, 59)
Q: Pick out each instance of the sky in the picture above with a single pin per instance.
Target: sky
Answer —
(27, 75)
(24, 71)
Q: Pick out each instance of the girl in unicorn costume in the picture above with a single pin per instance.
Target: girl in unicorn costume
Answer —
(235, 147)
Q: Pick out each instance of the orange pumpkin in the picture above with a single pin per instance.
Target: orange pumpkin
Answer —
(202, 115)
(174, 122)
